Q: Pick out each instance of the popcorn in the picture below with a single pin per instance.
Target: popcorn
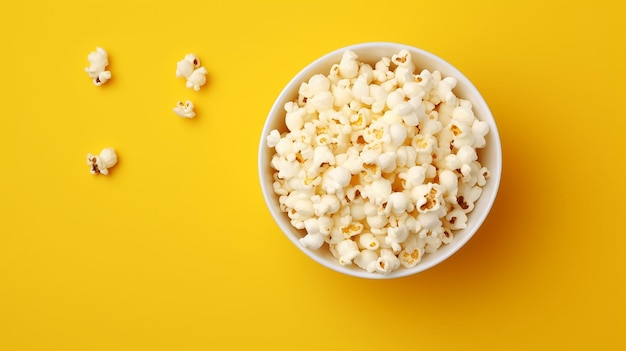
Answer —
(273, 138)
(367, 260)
(186, 66)
(314, 237)
(387, 262)
(378, 164)
(101, 163)
(325, 204)
(368, 241)
(346, 251)
(185, 109)
(190, 69)
(335, 179)
(197, 78)
(395, 237)
(98, 60)
(457, 219)
(410, 256)
(349, 66)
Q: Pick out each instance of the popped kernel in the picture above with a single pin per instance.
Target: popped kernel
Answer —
(190, 69)
(186, 66)
(197, 78)
(98, 61)
(185, 109)
(100, 164)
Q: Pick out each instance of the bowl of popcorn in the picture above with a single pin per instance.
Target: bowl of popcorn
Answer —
(379, 160)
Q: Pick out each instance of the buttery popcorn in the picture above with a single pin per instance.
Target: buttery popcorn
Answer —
(378, 163)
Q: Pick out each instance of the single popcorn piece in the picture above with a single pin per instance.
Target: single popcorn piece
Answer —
(367, 260)
(98, 61)
(346, 251)
(185, 109)
(186, 66)
(197, 78)
(190, 69)
(101, 163)
(378, 164)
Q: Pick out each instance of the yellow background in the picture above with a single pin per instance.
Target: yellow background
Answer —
(175, 250)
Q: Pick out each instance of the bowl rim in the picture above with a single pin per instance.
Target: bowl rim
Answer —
(303, 75)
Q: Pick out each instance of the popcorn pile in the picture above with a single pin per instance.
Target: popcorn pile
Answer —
(379, 163)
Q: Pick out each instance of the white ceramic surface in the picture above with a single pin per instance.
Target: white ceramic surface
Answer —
(490, 156)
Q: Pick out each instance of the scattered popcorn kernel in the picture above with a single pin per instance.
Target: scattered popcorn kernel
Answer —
(367, 260)
(186, 66)
(101, 163)
(379, 164)
(197, 78)
(190, 69)
(185, 109)
(98, 60)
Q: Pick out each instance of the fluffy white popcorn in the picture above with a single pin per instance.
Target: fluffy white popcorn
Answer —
(100, 164)
(378, 164)
(190, 69)
(197, 78)
(314, 237)
(352, 229)
(433, 242)
(346, 251)
(349, 66)
(273, 138)
(367, 260)
(368, 241)
(335, 179)
(312, 240)
(444, 90)
(404, 71)
(186, 66)
(98, 60)
(316, 84)
(395, 237)
(467, 196)
(185, 109)
(457, 219)
(325, 204)
(378, 191)
(387, 262)
(410, 256)
(429, 220)
(479, 130)
(398, 202)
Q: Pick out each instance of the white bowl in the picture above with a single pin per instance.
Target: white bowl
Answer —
(490, 156)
